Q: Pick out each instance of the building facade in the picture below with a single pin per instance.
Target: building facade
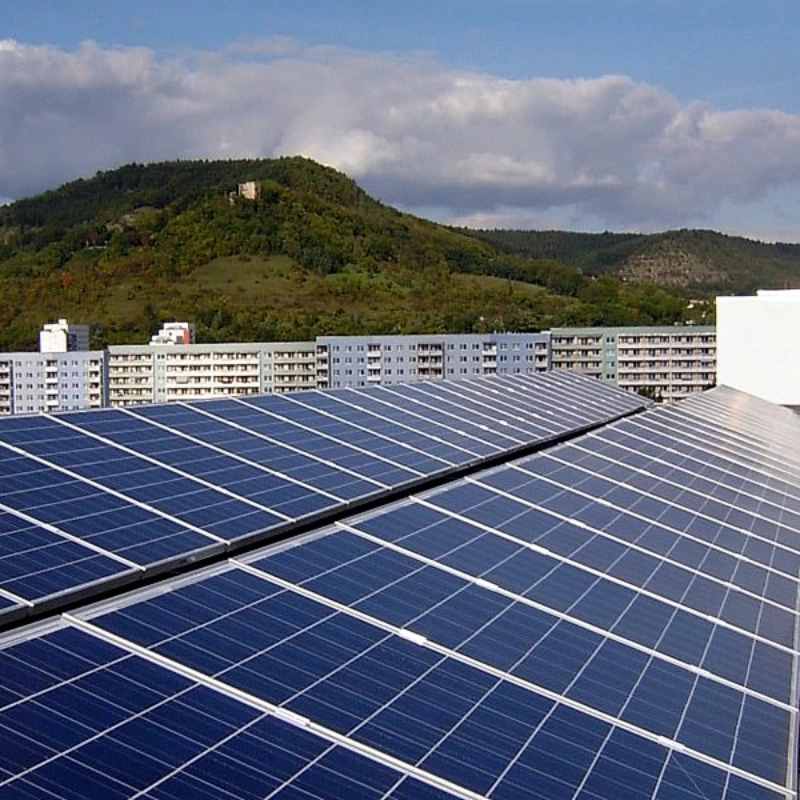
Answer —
(665, 363)
(372, 360)
(63, 376)
(163, 373)
(32, 383)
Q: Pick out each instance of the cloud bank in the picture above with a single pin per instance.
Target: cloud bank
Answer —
(602, 152)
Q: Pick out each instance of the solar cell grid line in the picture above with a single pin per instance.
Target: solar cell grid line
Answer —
(718, 555)
(635, 449)
(696, 458)
(535, 570)
(494, 404)
(354, 445)
(597, 461)
(167, 734)
(372, 433)
(732, 432)
(679, 428)
(610, 459)
(441, 437)
(615, 512)
(444, 410)
(581, 547)
(639, 709)
(260, 448)
(597, 398)
(544, 409)
(410, 778)
(369, 741)
(746, 414)
(38, 559)
(99, 515)
(720, 601)
(426, 665)
(639, 721)
(273, 566)
(765, 523)
(722, 411)
(425, 395)
(269, 488)
(745, 436)
(474, 433)
(530, 569)
(575, 537)
(593, 392)
(311, 473)
(147, 481)
(623, 498)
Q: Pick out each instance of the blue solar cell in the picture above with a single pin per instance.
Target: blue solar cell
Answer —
(627, 768)
(762, 740)
(709, 723)
(404, 396)
(684, 778)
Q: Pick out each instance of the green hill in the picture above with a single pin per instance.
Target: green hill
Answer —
(314, 254)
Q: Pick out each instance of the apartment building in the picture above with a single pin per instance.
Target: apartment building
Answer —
(163, 373)
(174, 333)
(63, 376)
(31, 383)
(666, 363)
(63, 337)
(372, 360)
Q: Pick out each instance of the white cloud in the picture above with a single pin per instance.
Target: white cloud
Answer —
(606, 152)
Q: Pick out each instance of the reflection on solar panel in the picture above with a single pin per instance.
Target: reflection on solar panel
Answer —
(612, 617)
(92, 500)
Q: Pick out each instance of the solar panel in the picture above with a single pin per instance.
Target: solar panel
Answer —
(454, 712)
(80, 717)
(113, 496)
(615, 616)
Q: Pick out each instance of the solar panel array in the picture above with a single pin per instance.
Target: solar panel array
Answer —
(612, 617)
(94, 500)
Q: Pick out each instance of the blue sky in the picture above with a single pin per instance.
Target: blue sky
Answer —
(581, 114)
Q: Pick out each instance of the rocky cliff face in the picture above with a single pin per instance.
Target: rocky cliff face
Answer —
(673, 267)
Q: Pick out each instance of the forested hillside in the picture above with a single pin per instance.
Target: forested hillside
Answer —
(697, 260)
(314, 254)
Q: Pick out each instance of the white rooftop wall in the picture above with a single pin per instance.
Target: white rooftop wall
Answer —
(61, 337)
(758, 345)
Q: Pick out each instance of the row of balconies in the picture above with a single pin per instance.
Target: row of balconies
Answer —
(301, 357)
(113, 369)
(295, 379)
(638, 366)
(656, 381)
(590, 368)
(675, 352)
(572, 341)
